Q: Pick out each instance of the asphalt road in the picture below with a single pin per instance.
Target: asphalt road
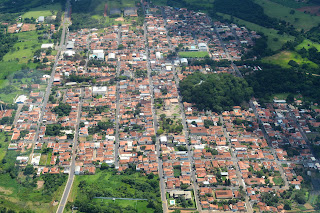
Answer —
(155, 123)
(116, 146)
(67, 189)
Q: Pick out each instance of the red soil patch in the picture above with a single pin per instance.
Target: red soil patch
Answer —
(311, 9)
(28, 27)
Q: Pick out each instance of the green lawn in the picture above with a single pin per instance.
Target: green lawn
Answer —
(284, 57)
(299, 19)
(45, 10)
(275, 41)
(177, 172)
(282, 96)
(278, 181)
(307, 44)
(43, 159)
(195, 54)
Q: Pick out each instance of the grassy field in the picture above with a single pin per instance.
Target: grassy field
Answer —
(299, 19)
(22, 198)
(25, 48)
(3, 145)
(275, 41)
(193, 54)
(284, 57)
(45, 10)
(15, 60)
(140, 206)
(308, 44)
(18, 194)
(116, 185)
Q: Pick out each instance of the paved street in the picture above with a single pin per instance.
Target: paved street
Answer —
(68, 187)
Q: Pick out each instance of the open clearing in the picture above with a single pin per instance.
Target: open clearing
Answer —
(307, 44)
(45, 10)
(284, 57)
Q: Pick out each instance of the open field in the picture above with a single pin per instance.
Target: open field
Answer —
(284, 57)
(193, 54)
(275, 41)
(308, 44)
(140, 206)
(23, 198)
(124, 185)
(299, 19)
(45, 10)
(3, 144)
(28, 42)
(19, 194)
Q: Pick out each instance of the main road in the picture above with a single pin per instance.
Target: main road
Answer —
(67, 189)
(116, 146)
(155, 121)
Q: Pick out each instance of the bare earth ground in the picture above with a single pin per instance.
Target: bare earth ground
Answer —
(311, 9)
(5, 191)
(40, 184)
(28, 27)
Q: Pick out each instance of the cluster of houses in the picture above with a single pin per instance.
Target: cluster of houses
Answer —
(121, 88)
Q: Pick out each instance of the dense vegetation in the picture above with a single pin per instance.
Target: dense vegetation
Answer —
(6, 43)
(128, 184)
(101, 126)
(53, 130)
(62, 110)
(215, 92)
(246, 10)
(274, 79)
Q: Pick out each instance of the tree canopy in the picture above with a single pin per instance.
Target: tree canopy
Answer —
(216, 92)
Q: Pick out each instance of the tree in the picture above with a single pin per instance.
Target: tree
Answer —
(160, 131)
(290, 98)
(62, 110)
(28, 170)
(293, 63)
(300, 197)
(104, 166)
(216, 92)
(287, 206)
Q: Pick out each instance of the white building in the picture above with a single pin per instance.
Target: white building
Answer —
(41, 19)
(203, 47)
(21, 99)
(36, 159)
(46, 46)
(184, 61)
(111, 56)
(97, 54)
(99, 90)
